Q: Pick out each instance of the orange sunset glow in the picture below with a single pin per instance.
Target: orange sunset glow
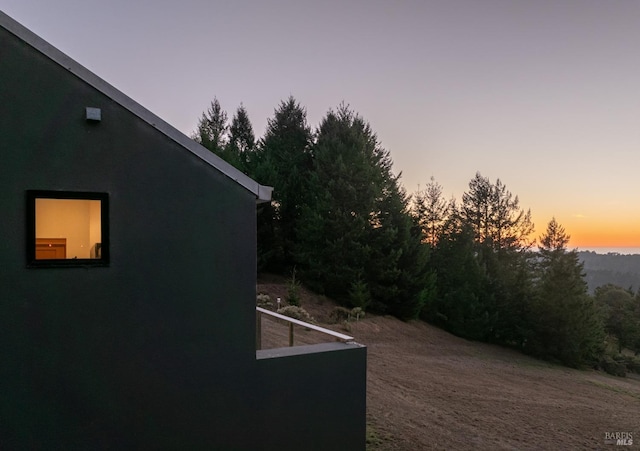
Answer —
(587, 234)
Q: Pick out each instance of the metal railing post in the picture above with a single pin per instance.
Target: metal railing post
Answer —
(290, 334)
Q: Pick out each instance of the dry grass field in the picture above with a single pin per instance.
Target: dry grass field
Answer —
(427, 389)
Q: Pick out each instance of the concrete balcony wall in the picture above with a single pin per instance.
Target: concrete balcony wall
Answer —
(308, 389)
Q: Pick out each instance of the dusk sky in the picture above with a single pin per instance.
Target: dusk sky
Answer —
(543, 94)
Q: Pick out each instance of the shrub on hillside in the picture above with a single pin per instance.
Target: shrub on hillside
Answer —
(342, 314)
(293, 311)
(631, 363)
(264, 301)
(356, 313)
(613, 367)
(339, 314)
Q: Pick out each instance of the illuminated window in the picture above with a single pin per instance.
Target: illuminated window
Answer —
(67, 228)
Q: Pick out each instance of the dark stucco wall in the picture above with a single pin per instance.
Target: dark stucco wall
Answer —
(157, 350)
(140, 352)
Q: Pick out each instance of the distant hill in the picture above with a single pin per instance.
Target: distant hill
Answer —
(617, 269)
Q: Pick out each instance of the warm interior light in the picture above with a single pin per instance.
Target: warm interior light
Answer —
(68, 228)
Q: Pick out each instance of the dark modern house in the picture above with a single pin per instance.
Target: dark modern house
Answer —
(127, 283)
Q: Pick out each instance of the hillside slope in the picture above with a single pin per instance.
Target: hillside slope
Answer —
(427, 389)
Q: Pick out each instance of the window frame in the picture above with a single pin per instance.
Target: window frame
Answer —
(32, 262)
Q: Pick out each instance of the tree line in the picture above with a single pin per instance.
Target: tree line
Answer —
(341, 221)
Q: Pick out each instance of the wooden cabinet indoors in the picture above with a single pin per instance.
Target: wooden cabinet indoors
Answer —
(51, 248)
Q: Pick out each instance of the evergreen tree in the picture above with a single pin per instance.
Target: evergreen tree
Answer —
(461, 284)
(357, 232)
(566, 323)
(495, 215)
(502, 292)
(430, 210)
(636, 314)
(399, 267)
(242, 141)
(510, 276)
(212, 129)
(337, 222)
(622, 315)
(283, 160)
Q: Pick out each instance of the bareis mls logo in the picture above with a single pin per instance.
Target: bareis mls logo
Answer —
(618, 438)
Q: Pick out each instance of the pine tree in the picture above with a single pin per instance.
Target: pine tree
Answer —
(495, 215)
(337, 221)
(356, 230)
(566, 323)
(635, 340)
(621, 315)
(430, 210)
(500, 230)
(459, 303)
(399, 270)
(242, 141)
(212, 129)
(283, 160)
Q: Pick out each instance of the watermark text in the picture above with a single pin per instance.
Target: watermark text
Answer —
(618, 438)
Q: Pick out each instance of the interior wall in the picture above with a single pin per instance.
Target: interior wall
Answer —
(77, 220)
(95, 223)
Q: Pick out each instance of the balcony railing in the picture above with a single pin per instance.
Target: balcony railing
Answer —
(292, 322)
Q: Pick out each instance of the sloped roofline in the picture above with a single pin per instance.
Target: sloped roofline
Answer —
(262, 193)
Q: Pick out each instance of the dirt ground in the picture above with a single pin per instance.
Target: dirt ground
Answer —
(427, 389)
